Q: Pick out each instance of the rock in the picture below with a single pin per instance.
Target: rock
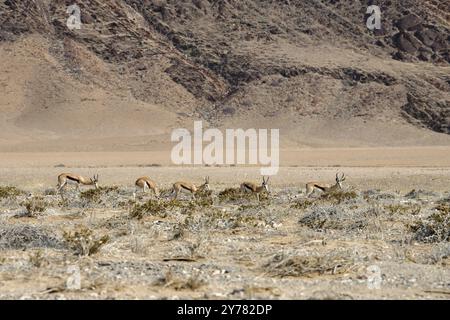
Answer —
(406, 42)
(427, 36)
(409, 22)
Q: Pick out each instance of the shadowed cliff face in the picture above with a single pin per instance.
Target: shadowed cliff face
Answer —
(317, 58)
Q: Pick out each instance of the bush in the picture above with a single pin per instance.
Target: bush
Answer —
(35, 206)
(154, 207)
(309, 265)
(191, 282)
(27, 236)
(403, 209)
(338, 197)
(436, 228)
(83, 241)
(10, 192)
(91, 195)
(37, 259)
(332, 217)
(302, 204)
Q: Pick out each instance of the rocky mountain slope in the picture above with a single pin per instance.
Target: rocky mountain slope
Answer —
(138, 68)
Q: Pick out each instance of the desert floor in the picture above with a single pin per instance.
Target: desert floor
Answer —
(385, 235)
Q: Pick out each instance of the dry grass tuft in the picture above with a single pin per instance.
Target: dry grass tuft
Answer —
(24, 236)
(83, 241)
(436, 228)
(154, 207)
(403, 209)
(338, 197)
(95, 195)
(191, 282)
(309, 265)
(333, 217)
(35, 206)
(37, 259)
(10, 192)
(302, 204)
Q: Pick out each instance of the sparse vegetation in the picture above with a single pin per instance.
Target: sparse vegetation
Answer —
(333, 217)
(10, 192)
(190, 282)
(84, 242)
(338, 197)
(403, 209)
(436, 228)
(93, 196)
(37, 259)
(35, 206)
(302, 204)
(309, 265)
(153, 207)
(236, 195)
(327, 238)
(24, 236)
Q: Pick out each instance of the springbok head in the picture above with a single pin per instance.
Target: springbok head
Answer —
(94, 181)
(265, 184)
(206, 184)
(340, 179)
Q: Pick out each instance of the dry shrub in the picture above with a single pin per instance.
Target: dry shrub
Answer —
(154, 207)
(332, 217)
(191, 282)
(235, 194)
(339, 196)
(91, 195)
(95, 195)
(83, 241)
(302, 204)
(37, 259)
(403, 209)
(436, 228)
(309, 265)
(28, 236)
(10, 192)
(35, 206)
(219, 219)
(417, 194)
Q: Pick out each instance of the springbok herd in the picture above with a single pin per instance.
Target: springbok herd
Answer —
(145, 183)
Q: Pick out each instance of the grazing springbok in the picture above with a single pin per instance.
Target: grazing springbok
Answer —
(325, 187)
(182, 185)
(254, 188)
(65, 178)
(145, 183)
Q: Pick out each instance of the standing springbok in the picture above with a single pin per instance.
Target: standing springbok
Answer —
(254, 188)
(183, 185)
(325, 187)
(145, 183)
(65, 178)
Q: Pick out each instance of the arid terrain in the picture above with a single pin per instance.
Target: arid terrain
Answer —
(105, 98)
(225, 245)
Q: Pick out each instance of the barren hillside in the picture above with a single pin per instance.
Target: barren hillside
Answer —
(139, 68)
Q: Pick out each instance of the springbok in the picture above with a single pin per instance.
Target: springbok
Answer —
(254, 188)
(325, 187)
(65, 178)
(145, 183)
(193, 189)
